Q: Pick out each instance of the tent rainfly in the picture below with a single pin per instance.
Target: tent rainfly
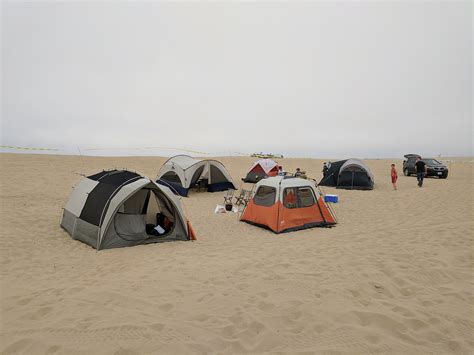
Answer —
(261, 169)
(120, 208)
(285, 204)
(182, 172)
(351, 174)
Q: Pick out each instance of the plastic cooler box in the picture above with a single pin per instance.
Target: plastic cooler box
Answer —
(331, 198)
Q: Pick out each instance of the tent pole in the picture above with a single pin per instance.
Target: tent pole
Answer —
(278, 214)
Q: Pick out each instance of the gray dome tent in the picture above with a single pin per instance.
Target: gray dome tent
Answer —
(119, 208)
(350, 174)
(182, 172)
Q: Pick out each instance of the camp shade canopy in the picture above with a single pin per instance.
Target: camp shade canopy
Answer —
(261, 169)
(350, 174)
(285, 204)
(182, 172)
(111, 209)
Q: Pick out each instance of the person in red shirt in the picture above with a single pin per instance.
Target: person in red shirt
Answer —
(394, 175)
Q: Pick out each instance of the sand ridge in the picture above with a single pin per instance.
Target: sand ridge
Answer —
(394, 276)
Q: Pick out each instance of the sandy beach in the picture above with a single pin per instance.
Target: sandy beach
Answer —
(394, 276)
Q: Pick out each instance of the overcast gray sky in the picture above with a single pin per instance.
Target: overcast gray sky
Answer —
(324, 79)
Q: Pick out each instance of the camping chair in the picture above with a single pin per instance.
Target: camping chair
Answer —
(243, 197)
(228, 197)
(247, 195)
(240, 198)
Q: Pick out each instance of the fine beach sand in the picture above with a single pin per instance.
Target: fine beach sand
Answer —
(394, 276)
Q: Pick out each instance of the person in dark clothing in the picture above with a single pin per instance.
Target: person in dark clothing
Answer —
(420, 171)
(325, 169)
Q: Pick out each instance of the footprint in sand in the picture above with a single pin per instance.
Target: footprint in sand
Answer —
(416, 324)
(166, 307)
(403, 311)
(20, 346)
(266, 306)
(157, 327)
(41, 313)
(53, 349)
(24, 301)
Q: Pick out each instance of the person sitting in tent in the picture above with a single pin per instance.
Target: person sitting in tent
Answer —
(325, 169)
(281, 172)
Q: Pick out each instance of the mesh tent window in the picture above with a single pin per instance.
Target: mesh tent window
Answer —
(171, 176)
(298, 197)
(265, 196)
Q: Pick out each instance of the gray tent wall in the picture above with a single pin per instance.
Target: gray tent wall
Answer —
(355, 175)
(181, 172)
(123, 216)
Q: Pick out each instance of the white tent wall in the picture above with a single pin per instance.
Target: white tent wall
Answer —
(78, 196)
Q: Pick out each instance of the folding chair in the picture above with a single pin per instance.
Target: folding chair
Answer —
(228, 197)
(247, 195)
(243, 197)
(240, 198)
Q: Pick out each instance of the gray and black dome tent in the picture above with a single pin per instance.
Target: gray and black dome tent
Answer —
(350, 174)
(119, 208)
(182, 172)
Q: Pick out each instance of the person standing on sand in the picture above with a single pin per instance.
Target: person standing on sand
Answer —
(394, 175)
(325, 169)
(420, 171)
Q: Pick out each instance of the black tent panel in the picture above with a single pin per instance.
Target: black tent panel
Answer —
(114, 177)
(109, 182)
(119, 178)
(95, 203)
(97, 176)
(331, 176)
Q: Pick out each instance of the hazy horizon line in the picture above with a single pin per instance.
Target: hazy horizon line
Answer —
(213, 155)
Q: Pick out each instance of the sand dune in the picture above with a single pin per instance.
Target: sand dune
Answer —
(394, 276)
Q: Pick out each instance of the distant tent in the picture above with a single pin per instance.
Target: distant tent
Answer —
(182, 172)
(285, 204)
(119, 208)
(261, 169)
(350, 174)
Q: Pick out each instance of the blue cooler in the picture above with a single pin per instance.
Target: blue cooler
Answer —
(331, 198)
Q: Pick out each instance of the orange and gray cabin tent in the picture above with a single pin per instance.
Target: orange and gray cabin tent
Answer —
(285, 204)
(120, 208)
(261, 169)
(182, 172)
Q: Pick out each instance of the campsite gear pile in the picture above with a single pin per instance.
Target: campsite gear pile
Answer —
(240, 200)
(183, 172)
(119, 208)
(350, 174)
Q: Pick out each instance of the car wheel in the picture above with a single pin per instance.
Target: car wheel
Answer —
(444, 176)
(405, 172)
